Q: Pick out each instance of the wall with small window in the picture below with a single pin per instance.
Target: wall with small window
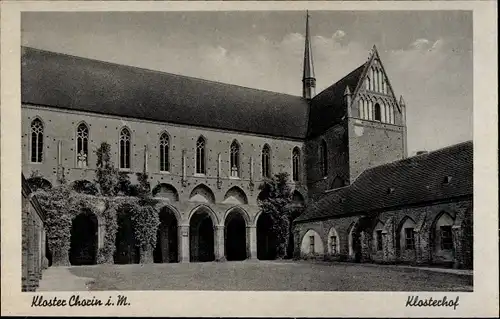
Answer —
(311, 245)
(327, 160)
(433, 234)
(172, 153)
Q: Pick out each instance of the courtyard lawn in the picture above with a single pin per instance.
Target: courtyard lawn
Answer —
(269, 275)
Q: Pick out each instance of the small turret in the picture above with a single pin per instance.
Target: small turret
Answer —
(347, 96)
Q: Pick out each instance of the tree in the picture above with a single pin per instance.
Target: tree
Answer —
(276, 201)
(107, 176)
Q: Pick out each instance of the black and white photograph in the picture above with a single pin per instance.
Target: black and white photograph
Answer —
(282, 150)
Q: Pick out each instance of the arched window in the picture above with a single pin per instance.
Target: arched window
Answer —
(361, 108)
(36, 141)
(125, 148)
(377, 237)
(164, 151)
(323, 156)
(266, 161)
(235, 159)
(295, 164)
(378, 113)
(407, 235)
(82, 145)
(200, 156)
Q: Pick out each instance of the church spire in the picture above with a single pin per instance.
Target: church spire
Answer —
(308, 78)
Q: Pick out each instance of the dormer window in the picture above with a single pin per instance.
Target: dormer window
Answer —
(447, 180)
(390, 190)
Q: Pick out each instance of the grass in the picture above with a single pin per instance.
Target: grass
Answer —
(269, 275)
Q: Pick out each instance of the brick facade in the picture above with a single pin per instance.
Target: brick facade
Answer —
(427, 248)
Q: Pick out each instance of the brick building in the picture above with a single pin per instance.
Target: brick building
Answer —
(33, 239)
(417, 210)
(206, 146)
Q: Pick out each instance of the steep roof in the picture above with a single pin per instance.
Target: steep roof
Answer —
(328, 107)
(75, 83)
(410, 181)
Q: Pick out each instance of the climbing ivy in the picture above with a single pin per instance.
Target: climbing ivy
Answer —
(112, 194)
(275, 201)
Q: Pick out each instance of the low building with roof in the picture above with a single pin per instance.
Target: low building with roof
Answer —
(417, 210)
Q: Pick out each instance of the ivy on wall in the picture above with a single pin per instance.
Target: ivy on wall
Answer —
(276, 201)
(111, 195)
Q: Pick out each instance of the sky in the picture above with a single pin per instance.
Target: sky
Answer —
(427, 54)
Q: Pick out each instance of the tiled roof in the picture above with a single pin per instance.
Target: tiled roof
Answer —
(438, 175)
(75, 83)
(328, 107)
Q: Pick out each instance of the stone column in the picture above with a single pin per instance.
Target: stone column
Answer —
(219, 243)
(251, 242)
(146, 255)
(457, 246)
(183, 236)
(31, 255)
(25, 249)
(365, 246)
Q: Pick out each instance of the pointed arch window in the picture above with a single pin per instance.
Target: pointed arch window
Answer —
(378, 112)
(323, 156)
(125, 139)
(200, 156)
(295, 164)
(164, 152)
(36, 141)
(235, 159)
(266, 161)
(82, 145)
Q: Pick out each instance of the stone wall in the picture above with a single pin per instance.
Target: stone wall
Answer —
(426, 220)
(60, 132)
(373, 143)
(337, 165)
(33, 259)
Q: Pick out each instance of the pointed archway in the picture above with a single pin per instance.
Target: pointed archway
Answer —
(83, 247)
(167, 247)
(201, 235)
(235, 235)
(266, 238)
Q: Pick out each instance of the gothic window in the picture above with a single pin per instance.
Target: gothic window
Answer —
(378, 113)
(333, 241)
(164, 153)
(379, 239)
(266, 161)
(82, 145)
(391, 114)
(200, 156)
(235, 159)
(361, 107)
(36, 141)
(409, 239)
(323, 155)
(311, 244)
(125, 148)
(446, 238)
(295, 164)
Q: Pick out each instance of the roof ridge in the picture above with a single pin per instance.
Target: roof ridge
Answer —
(161, 72)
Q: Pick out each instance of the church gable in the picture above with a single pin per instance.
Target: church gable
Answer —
(373, 97)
